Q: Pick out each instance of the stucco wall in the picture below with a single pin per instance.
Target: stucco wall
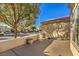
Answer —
(54, 30)
(12, 43)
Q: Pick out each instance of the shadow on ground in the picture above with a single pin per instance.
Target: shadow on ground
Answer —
(35, 49)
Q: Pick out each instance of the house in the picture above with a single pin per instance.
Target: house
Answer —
(4, 28)
(50, 27)
(56, 28)
(74, 34)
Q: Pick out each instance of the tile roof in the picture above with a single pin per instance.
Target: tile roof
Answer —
(58, 20)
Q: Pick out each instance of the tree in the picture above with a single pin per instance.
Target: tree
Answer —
(33, 28)
(13, 14)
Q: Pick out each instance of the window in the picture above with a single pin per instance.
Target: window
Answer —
(77, 27)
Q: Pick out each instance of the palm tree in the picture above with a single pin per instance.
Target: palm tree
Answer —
(13, 14)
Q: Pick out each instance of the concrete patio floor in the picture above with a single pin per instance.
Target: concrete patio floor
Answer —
(48, 47)
(35, 49)
(59, 48)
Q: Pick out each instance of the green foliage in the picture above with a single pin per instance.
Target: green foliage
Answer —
(33, 27)
(14, 14)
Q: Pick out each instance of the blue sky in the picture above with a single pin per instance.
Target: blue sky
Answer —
(51, 11)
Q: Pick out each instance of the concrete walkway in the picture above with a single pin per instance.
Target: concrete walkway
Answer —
(58, 48)
(46, 47)
(35, 49)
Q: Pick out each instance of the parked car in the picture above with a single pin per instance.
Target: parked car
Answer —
(1, 33)
(7, 33)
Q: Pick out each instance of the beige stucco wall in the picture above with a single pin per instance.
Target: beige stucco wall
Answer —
(12, 43)
(55, 30)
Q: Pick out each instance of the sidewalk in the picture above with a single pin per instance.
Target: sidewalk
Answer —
(35, 49)
(58, 48)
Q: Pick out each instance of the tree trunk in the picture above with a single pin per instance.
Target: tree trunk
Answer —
(15, 32)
